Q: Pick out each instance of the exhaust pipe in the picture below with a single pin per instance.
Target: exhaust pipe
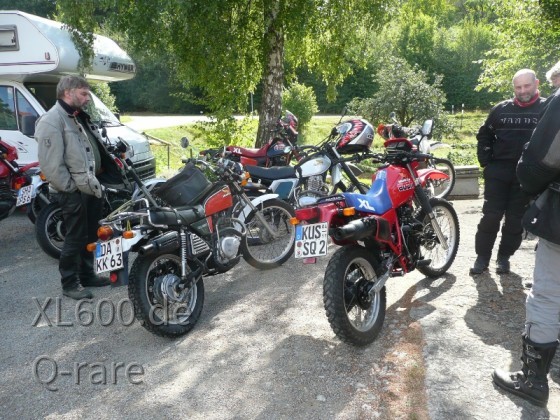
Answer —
(357, 229)
(167, 242)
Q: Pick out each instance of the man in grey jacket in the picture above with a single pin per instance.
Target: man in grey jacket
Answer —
(70, 152)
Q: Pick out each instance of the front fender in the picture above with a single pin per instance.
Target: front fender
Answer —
(256, 202)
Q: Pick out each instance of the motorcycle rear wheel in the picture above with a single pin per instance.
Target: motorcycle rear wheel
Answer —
(441, 188)
(430, 247)
(50, 230)
(258, 248)
(156, 312)
(354, 317)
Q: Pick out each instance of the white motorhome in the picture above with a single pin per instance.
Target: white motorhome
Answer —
(34, 54)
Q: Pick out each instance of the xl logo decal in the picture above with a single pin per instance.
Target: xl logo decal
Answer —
(365, 204)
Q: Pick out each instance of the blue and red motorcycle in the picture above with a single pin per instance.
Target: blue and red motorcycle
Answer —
(389, 231)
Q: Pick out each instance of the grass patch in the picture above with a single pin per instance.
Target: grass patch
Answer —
(459, 148)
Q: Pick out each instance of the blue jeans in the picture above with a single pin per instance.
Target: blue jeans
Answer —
(542, 324)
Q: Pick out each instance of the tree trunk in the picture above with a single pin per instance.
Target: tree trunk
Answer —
(271, 103)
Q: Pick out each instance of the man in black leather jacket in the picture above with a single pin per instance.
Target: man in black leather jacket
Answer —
(500, 143)
(538, 168)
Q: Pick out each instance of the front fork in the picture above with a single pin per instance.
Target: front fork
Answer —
(427, 207)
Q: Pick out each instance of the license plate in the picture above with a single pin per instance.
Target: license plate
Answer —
(24, 195)
(312, 240)
(108, 256)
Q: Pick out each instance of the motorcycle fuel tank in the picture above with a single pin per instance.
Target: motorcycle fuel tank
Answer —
(316, 166)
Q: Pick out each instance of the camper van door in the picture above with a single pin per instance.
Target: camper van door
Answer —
(19, 111)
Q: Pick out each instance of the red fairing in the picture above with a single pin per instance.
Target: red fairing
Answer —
(4, 170)
(218, 201)
(9, 151)
(400, 185)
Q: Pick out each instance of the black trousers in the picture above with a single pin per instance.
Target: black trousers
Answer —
(503, 199)
(81, 213)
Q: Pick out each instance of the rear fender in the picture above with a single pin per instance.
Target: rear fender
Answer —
(318, 214)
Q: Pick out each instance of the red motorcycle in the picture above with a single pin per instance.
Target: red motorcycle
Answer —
(15, 188)
(391, 230)
(279, 151)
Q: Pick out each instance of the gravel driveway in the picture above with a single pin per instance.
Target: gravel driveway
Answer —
(263, 348)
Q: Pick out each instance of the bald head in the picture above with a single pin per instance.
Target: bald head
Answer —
(525, 85)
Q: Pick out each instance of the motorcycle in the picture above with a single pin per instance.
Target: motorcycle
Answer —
(194, 234)
(15, 188)
(442, 178)
(279, 150)
(302, 184)
(389, 231)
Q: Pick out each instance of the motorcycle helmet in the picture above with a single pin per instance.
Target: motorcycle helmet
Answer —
(288, 126)
(354, 136)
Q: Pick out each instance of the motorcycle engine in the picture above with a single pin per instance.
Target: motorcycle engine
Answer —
(314, 188)
(412, 230)
(226, 241)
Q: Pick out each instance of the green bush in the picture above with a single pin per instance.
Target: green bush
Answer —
(229, 131)
(300, 100)
(103, 92)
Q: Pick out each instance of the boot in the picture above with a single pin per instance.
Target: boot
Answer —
(480, 265)
(502, 264)
(87, 275)
(531, 382)
(76, 291)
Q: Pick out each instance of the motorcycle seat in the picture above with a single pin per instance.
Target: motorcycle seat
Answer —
(272, 173)
(248, 152)
(168, 216)
(375, 201)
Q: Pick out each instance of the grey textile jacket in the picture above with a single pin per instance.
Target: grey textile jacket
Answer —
(65, 154)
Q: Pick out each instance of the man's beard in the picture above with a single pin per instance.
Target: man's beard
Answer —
(525, 98)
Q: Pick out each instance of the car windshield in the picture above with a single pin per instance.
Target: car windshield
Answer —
(100, 114)
(45, 92)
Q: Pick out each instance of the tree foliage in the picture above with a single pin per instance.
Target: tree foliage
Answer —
(528, 37)
(404, 89)
(228, 47)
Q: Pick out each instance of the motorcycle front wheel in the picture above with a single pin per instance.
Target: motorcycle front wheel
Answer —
(355, 316)
(441, 188)
(261, 249)
(159, 303)
(430, 246)
(50, 230)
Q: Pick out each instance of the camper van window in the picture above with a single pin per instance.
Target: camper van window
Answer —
(7, 109)
(26, 115)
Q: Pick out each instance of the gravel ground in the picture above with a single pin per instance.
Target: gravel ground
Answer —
(263, 347)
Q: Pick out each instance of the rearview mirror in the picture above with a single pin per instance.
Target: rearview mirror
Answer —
(184, 142)
(427, 128)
